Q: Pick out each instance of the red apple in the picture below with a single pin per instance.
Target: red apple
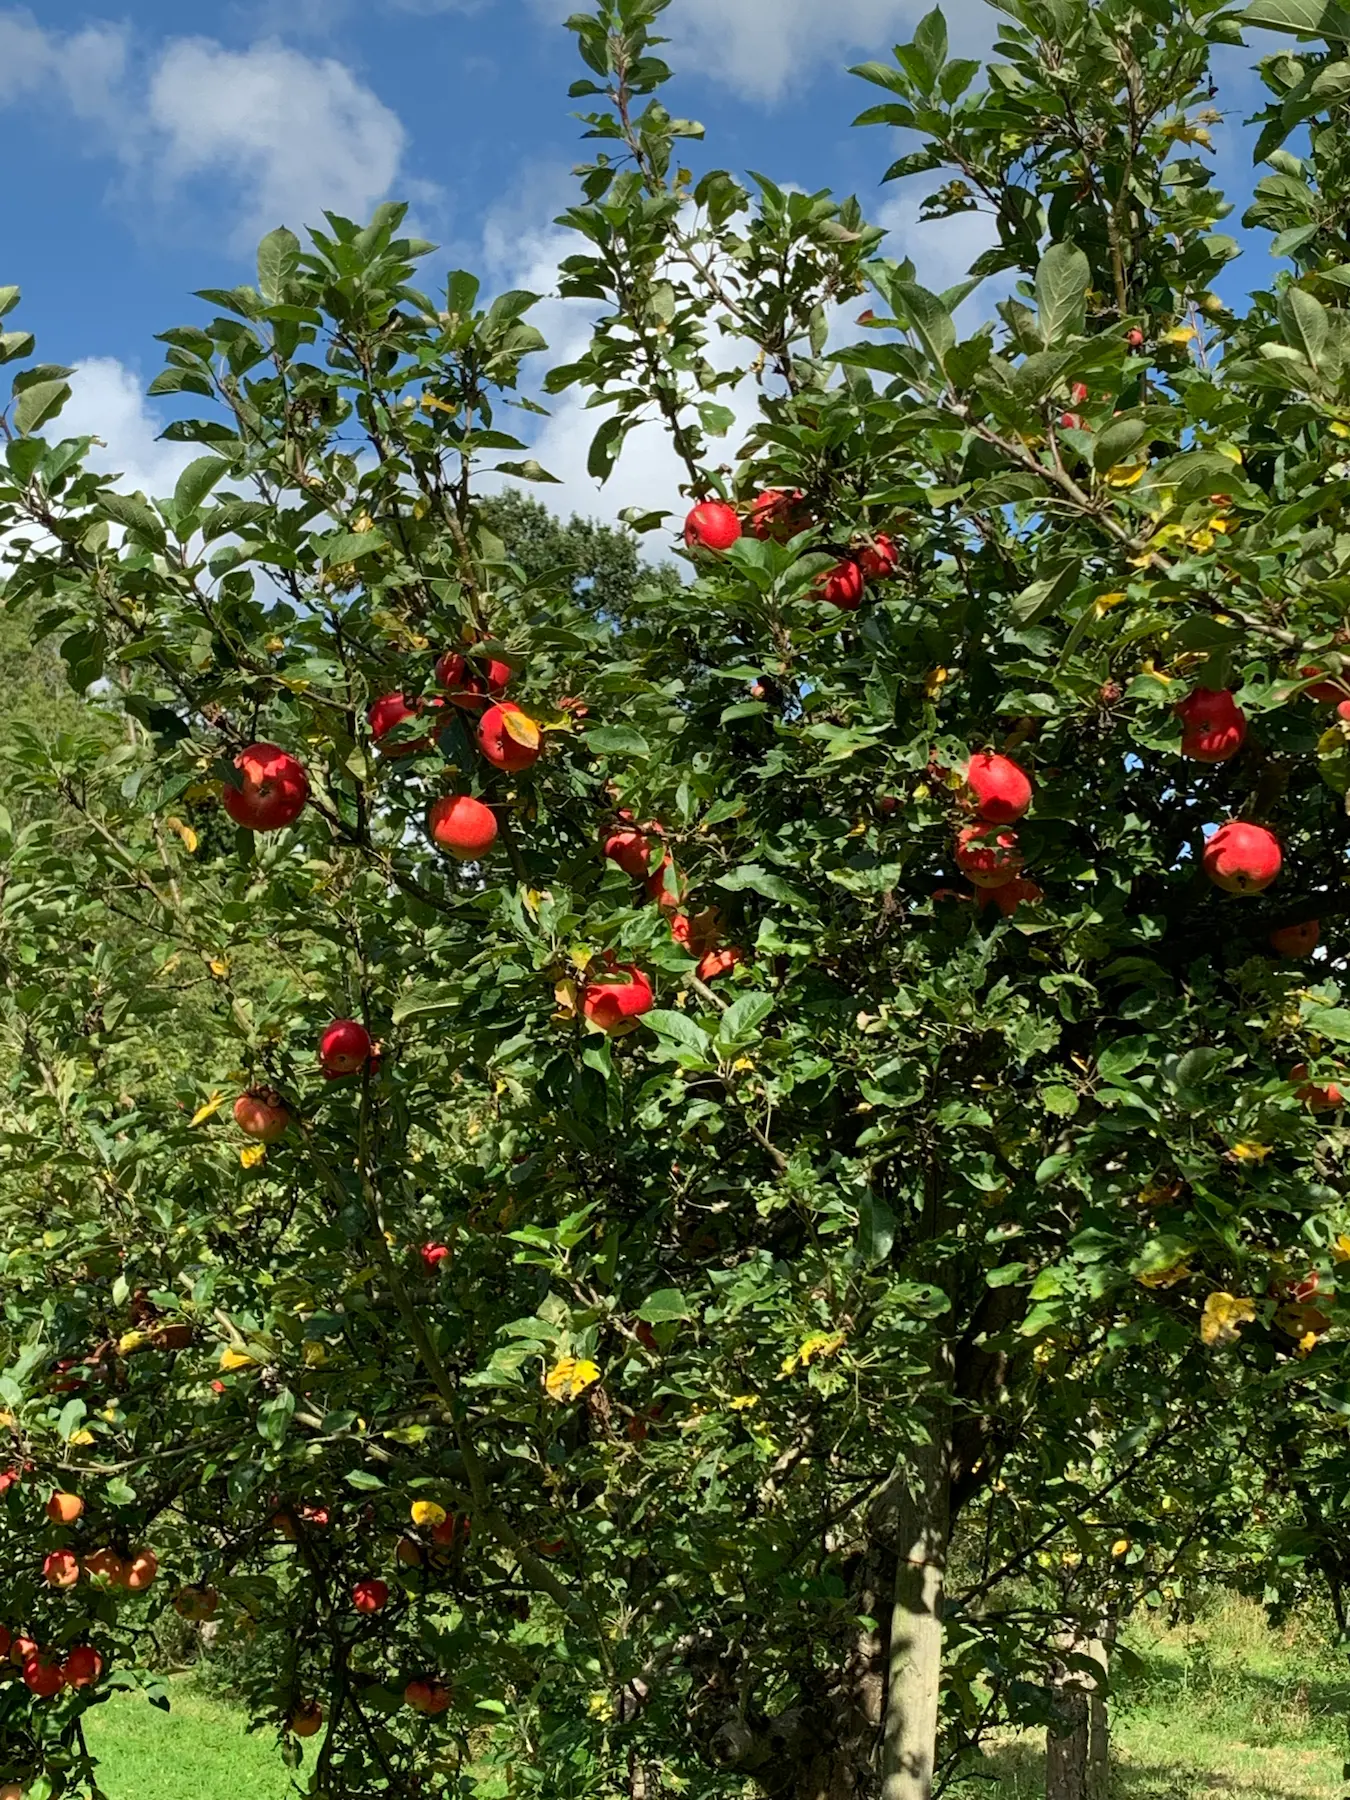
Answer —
(1242, 858)
(60, 1569)
(1295, 941)
(307, 1719)
(467, 689)
(9, 1478)
(990, 857)
(42, 1676)
(697, 935)
(344, 1047)
(719, 962)
(1134, 337)
(22, 1649)
(1070, 422)
(1000, 789)
(631, 849)
(1213, 725)
(508, 738)
(1009, 896)
(842, 585)
(271, 791)
(1317, 1099)
(64, 1509)
(427, 1696)
(370, 1596)
(712, 525)
(83, 1667)
(388, 713)
(616, 999)
(463, 826)
(778, 515)
(410, 1553)
(1078, 393)
(450, 1530)
(433, 1255)
(879, 559)
(141, 1569)
(106, 1565)
(261, 1113)
(1327, 693)
(666, 895)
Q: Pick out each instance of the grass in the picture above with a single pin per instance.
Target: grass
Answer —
(198, 1751)
(1224, 1709)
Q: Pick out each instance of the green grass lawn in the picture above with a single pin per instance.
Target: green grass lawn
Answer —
(1225, 1710)
(198, 1751)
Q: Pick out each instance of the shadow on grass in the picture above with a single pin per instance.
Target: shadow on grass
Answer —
(1017, 1772)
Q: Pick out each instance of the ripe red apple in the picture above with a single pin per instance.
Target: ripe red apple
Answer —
(450, 1530)
(1009, 896)
(83, 1667)
(463, 826)
(371, 1595)
(388, 713)
(261, 1113)
(879, 559)
(12, 1790)
(712, 525)
(508, 738)
(1000, 789)
(344, 1047)
(1078, 393)
(616, 999)
(1327, 693)
(410, 1553)
(719, 962)
(842, 585)
(9, 1478)
(307, 1719)
(42, 1676)
(1316, 1098)
(106, 1565)
(631, 849)
(22, 1649)
(64, 1509)
(1295, 941)
(141, 1570)
(1213, 725)
(467, 689)
(778, 515)
(990, 857)
(61, 1568)
(1134, 337)
(697, 935)
(1242, 858)
(888, 805)
(1070, 422)
(271, 791)
(427, 1696)
(666, 895)
(433, 1255)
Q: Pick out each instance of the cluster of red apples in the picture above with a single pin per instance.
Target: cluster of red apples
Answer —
(716, 525)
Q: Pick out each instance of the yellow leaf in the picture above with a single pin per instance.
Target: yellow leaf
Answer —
(207, 1110)
(569, 1378)
(218, 968)
(1251, 1152)
(1338, 428)
(934, 682)
(1223, 1319)
(185, 832)
(130, 1342)
(230, 1358)
(523, 729)
(600, 1706)
(363, 523)
(1104, 602)
(1307, 1343)
(1121, 1547)
(1183, 334)
(251, 1155)
(1125, 475)
(1165, 1278)
(1340, 1250)
(819, 1343)
(82, 1438)
(426, 1512)
(743, 1402)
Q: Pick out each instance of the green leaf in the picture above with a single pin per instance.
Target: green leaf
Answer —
(743, 1018)
(756, 880)
(664, 1305)
(1307, 324)
(39, 403)
(278, 259)
(617, 740)
(680, 1035)
(1309, 18)
(1118, 442)
(1063, 277)
(876, 1230)
(364, 1480)
(196, 482)
(529, 470)
(126, 509)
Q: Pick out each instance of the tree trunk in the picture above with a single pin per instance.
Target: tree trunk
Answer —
(1077, 1743)
(921, 1520)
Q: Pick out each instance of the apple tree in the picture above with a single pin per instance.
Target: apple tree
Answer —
(558, 1151)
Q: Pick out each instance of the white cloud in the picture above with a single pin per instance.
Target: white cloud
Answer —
(292, 133)
(766, 48)
(942, 250)
(279, 136)
(108, 402)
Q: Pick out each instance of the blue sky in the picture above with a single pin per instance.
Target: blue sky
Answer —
(147, 145)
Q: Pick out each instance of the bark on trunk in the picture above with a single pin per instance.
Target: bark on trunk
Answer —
(922, 1518)
(1077, 1744)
